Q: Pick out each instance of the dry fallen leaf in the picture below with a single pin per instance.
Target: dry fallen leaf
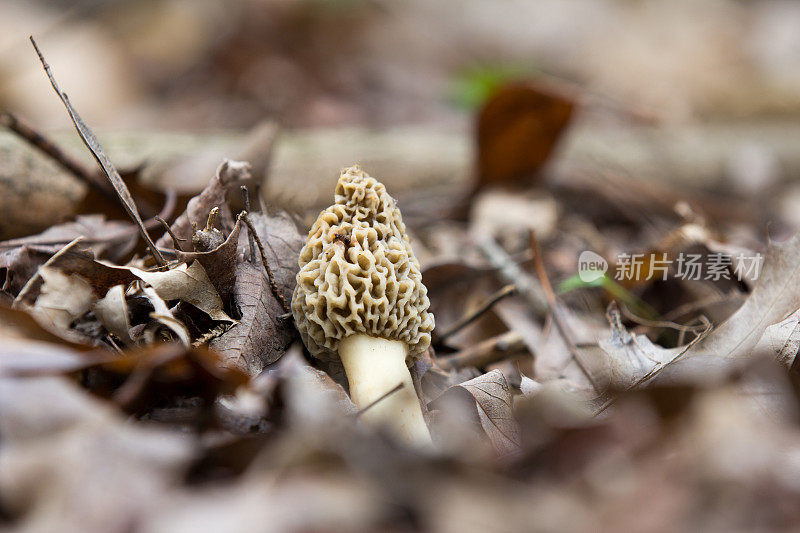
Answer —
(630, 357)
(26, 357)
(62, 300)
(518, 128)
(17, 324)
(781, 341)
(219, 263)
(775, 296)
(188, 283)
(262, 335)
(494, 410)
(185, 282)
(112, 311)
(110, 239)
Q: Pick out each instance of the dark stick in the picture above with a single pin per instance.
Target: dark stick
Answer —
(246, 198)
(380, 399)
(469, 318)
(36, 139)
(272, 285)
(176, 241)
(555, 309)
(91, 142)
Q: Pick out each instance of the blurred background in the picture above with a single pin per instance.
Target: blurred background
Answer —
(686, 94)
(183, 64)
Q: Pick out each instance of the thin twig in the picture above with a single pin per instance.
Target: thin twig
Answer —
(470, 317)
(272, 285)
(556, 309)
(176, 241)
(510, 271)
(659, 323)
(27, 132)
(91, 142)
(251, 250)
(380, 399)
(486, 352)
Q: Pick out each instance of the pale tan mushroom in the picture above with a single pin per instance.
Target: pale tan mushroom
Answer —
(360, 299)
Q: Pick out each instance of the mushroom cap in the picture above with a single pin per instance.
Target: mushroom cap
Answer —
(358, 274)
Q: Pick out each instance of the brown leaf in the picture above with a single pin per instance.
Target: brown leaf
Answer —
(188, 283)
(282, 243)
(77, 282)
(20, 258)
(148, 375)
(494, 409)
(20, 264)
(171, 371)
(261, 336)
(112, 239)
(81, 262)
(185, 282)
(219, 263)
(518, 128)
(776, 295)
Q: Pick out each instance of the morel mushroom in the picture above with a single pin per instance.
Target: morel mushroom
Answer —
(360, 299)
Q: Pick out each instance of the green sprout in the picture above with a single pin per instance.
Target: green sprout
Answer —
(471, 87)
(614, 289)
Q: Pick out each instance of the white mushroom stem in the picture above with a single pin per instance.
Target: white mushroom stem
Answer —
(374, 367)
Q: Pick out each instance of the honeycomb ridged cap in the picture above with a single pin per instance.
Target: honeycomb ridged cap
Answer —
(358, 274)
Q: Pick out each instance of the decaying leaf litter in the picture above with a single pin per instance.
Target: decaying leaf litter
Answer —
(161, 384)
